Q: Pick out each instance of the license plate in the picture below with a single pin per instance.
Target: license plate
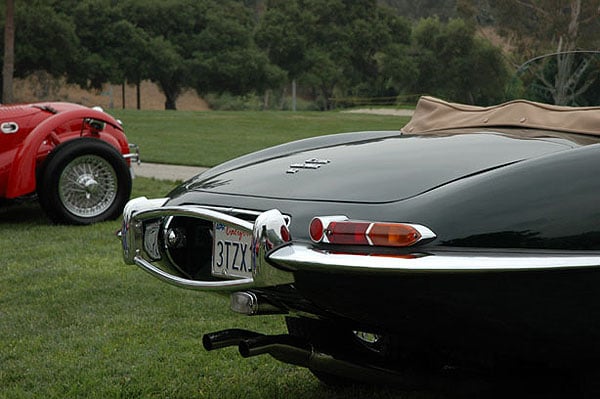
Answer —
(231, 251)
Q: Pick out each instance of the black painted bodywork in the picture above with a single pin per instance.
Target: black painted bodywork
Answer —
(483, 192)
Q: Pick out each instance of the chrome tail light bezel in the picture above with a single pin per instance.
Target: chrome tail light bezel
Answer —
(321, 231)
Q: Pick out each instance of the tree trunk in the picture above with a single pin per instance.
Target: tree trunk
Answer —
(138, 94)
(171, 91)
(170, 103)
(9, 53)
(294, 95)
(563, 92)
(123, 95)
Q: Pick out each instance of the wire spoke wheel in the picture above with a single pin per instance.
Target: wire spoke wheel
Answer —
(84, 181)
(88, 186)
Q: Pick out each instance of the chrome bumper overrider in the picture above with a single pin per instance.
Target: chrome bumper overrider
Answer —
(266, 233)
(274, 259)
(134, 154)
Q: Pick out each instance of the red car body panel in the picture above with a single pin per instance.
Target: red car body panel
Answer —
(40, 128)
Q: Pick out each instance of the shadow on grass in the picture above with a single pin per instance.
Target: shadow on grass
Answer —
(536, 385)
(497, 390)
(23, 211)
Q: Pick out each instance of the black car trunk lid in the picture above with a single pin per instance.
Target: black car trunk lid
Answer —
(376, 171)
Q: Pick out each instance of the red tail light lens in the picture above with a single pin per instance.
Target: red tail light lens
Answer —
(352, 233)
(340, 230)
(319, 226)
(285, 234)
(316, 230)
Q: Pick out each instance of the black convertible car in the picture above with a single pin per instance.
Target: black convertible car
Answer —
(469, 239)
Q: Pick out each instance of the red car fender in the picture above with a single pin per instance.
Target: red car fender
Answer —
(22, 177)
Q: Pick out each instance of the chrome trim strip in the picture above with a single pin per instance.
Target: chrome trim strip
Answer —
(193, 284)
(426, 233)
(232, 210)
(191, 211)
(302, 257)
(305, 166)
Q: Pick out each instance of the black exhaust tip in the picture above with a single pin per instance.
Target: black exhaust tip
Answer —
(225, 338)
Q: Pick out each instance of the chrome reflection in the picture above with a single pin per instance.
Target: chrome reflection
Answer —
(271, 230)
(301, 257)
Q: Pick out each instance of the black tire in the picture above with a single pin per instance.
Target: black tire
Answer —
(84, 181)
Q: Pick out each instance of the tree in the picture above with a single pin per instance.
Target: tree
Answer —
(416, 10)
(348, 39)
(397, 69)
(226, 58)
(171, 71)
(564, 89)
(202, 44)
(330, 46)
(455, 64)
(166, 33)
(99, 29)
(9, 52)
(539, 27)
(282, 33)
(46, 40)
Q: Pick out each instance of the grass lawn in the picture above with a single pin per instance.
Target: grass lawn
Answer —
(75, 322)
(211, 137)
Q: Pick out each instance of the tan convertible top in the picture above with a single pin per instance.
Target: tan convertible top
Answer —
(433, 114)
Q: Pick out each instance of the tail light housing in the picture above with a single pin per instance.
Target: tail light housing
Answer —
(341, 230)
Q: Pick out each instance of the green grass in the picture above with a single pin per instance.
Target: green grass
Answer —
(76, 322)
(211, 137)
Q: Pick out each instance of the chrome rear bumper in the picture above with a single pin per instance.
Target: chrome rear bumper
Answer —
(134, 154)
(301, 257)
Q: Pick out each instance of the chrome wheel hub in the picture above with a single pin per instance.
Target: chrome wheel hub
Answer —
(89, 184)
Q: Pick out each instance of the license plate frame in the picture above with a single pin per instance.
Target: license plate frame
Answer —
(231, 252)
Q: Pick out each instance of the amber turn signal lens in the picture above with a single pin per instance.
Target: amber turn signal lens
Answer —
(393, 235)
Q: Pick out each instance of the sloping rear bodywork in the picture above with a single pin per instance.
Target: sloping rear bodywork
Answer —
(506, 198)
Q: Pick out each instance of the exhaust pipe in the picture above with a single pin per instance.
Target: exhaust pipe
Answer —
(285, 348)
(297, 351)
(225, 338)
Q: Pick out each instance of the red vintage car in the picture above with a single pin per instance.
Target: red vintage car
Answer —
(75, 159)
